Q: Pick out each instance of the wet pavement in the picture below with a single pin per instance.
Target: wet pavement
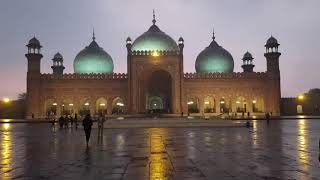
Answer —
(287, 149)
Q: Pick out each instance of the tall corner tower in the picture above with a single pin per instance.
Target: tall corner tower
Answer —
(273, 71)
(34, 57)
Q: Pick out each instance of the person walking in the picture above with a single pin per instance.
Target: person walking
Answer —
(87, 125)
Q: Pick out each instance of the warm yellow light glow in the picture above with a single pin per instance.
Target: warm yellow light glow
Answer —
(155, 53)
(6, 126)
(6, 100)
(70, 104)
(120, 104)
(102, 104)
(238, 102)
(254, 101)
(54, 104)
(222, 102)
(206, 102)
(301, 97)
(6, 148)
(190, 102)
(62, 104)
(86, 104)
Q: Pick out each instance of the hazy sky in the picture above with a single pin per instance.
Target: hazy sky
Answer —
(240, 25)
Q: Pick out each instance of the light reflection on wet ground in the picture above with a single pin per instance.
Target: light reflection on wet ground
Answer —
(283, 150)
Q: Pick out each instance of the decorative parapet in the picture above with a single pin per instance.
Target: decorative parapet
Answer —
(92, 76)
(154, 53)
(224, 75)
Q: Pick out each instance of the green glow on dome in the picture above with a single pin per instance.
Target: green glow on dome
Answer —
(154, 39)
(93, 59)
(214, 59)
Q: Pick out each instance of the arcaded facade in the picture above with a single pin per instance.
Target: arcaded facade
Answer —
(155, 81)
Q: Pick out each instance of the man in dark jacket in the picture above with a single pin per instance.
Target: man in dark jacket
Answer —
(87, 124)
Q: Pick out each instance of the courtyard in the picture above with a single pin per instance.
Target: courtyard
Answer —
(287, 149)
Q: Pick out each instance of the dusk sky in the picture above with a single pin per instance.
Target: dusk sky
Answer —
(240, 25)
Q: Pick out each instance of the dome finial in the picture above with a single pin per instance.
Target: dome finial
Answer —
(154, 18)
(213, 37)
(93, 35)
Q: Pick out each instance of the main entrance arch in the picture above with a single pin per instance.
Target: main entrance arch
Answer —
(158, 92)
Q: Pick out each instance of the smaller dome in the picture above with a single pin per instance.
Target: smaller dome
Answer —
(57, 57)
(272, 42)
(214, 59)
(34, 42)
(247, 56)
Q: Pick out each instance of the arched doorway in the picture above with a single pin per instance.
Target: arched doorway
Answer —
(193, 105)
(101, 106)
(51, 107)
(158, 92)
(117, 106)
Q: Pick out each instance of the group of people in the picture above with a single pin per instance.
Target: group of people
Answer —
(64, 121)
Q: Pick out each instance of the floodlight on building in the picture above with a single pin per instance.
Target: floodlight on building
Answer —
(86, 104)
(254, 101)
(54, 104)
(222, 102)
(102, 104)
(238, 102)
(190, 102)
(71, 104)
(206, 102)
(155, 54)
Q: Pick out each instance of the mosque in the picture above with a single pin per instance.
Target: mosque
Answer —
(155, 81)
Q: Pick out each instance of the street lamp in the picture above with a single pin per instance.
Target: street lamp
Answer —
(6, 100)
(301, 97)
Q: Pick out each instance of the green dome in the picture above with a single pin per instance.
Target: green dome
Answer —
(214, 59)
(93, 59)
(154, 39)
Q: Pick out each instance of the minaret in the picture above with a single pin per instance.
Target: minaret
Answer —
(272, 55)
(57, 66)
(34, 57)
(274, 87)
(247, 62)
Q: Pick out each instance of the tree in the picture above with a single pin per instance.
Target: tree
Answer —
(22, 96)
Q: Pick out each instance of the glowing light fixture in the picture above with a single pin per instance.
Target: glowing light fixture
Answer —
(86, 104)
(102, 104)
(190, 102)
(120, 104)
(254, 101)
(238, 102)
(155, 54)
(70, 104)
(206, 102)
(62, 104)
(222, 102)
(54, 104)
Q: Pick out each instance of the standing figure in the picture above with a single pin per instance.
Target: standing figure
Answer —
(268, 118)
(87, 124)
(76, 120)
(101, 120)
(61, 122)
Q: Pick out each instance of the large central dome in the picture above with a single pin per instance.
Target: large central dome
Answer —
(154, 39)
(214, 59)
(93, 59)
